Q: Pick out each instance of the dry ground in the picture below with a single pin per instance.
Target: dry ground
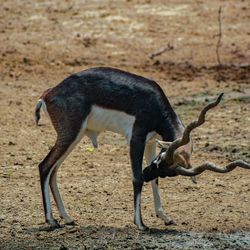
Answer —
(42, 42)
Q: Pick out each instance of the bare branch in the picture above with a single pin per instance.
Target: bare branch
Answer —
(211, 167)
(219, 37)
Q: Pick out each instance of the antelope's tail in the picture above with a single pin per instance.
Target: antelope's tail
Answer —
(37, 110)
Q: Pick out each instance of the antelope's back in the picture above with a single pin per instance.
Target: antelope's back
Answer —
(115, 89)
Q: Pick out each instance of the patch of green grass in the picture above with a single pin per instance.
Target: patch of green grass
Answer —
(242, 99)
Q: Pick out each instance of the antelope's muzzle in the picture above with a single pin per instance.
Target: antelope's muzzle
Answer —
(151, 172)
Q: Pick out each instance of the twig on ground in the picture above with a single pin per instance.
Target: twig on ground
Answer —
(160, 51)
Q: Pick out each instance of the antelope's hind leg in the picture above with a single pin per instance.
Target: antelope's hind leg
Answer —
(48, 168)
(70, 129)
(58, 199)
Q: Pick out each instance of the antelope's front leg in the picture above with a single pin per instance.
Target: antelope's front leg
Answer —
(137, 145)
(158, 207)
(150, 154)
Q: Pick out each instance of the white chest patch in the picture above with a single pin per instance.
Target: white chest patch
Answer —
(101, 119)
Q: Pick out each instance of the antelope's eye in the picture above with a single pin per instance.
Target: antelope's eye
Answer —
(163, 156)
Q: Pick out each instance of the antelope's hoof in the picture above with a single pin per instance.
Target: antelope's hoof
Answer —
(143, 228)
(71, 223)
(53, 225)
(170, 223)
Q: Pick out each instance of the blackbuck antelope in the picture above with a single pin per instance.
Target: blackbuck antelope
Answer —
(99, 99)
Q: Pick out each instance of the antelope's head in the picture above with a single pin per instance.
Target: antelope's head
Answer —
(174, 157)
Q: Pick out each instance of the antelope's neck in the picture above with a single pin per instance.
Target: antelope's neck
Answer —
(172, 126)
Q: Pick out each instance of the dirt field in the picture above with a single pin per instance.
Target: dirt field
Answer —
(42, 42)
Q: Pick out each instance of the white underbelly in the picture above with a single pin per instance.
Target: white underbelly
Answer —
(101, 119)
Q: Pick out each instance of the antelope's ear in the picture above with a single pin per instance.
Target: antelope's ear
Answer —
(163, 144)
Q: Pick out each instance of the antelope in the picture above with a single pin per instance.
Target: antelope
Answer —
(98, 99)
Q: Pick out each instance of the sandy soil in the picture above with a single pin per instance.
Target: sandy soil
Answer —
(42, 42)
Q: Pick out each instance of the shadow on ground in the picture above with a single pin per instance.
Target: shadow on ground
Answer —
(105, 237)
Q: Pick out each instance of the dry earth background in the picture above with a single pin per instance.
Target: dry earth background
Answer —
(42, 42)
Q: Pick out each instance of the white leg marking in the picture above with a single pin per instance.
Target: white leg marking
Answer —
(49, 216)
(137, 210)
(58, 199)
(150, 154)
(157, 198)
